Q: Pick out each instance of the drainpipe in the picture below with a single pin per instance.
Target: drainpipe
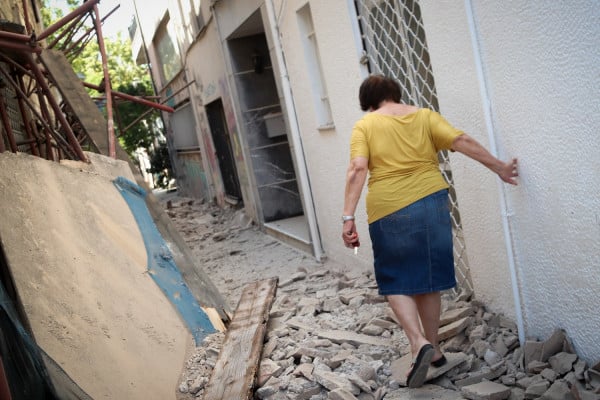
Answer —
(489, 122)
(295, 133)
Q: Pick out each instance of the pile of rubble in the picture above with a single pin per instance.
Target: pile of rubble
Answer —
(331, 336)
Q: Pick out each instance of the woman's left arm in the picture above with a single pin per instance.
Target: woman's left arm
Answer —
(507, 171)
(355, 180)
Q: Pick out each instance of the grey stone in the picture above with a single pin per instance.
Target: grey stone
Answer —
(478, 333)
(562, 362)
(331, 304)
(332, 381)
(372, 330)
(593, 378)
(303, 389)
(532, 351)
(455, 314)
(480, 347)
(361, 384)
(425, 392)
(298, 276)
(491, 357)
(356, 302)
(266, 370)
(340, 394)
(269, 389)
(549, 374)
(500, 346)
(535, 367)
(454, 328)
(536, 389)
(508, 380)
(485, 373)
(527, 381)
(554, 344)
(579, 368)
(558, 391)
(339, 336)
(304, 370)
(486, 391)
(384, 323)
(517, 394)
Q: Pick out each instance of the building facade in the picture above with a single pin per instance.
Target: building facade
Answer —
(265, 93)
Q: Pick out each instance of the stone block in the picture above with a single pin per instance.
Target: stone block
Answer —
(486, 391)
(453, 328)
(340, 394)
(332, 381)
(554, 344)
(450, 316)
(356, 339)
(562, 362)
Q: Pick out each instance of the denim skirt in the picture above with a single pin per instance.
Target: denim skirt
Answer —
(413, 248)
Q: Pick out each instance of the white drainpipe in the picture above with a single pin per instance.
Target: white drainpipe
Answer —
(309, 208)
(487, 108)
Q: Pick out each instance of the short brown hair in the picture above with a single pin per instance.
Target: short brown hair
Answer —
(378, 88)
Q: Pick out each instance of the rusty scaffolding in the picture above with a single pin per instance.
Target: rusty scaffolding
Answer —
(37, 116)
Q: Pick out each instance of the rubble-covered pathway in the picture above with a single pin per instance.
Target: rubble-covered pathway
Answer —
(331, 336)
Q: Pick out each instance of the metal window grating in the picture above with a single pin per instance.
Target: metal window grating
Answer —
(394, 44)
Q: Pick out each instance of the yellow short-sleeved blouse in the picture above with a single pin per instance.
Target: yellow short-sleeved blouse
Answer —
(402, 153)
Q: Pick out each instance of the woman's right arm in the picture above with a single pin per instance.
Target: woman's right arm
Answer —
(470, 147)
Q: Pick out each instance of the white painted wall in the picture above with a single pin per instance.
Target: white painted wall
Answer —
(327, 152)
(541, 66)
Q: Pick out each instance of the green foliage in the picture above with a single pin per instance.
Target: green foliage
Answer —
(161, 165)
(125, 76)
(144, 133)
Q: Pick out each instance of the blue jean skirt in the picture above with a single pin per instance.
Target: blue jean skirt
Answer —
(413, 248)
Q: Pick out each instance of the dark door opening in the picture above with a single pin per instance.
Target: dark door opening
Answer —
(223, 148)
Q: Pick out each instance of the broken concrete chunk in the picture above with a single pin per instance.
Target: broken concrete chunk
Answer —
(455, 314)
(554, 344)
(304, 370)
(486, 391)
(532, 351)
(535, 367)
(536, 389)
(332, 381)
(562, 362)
(298, 276)
(558, 391)
(266, 370)
(454, 328)
(356, 339)
(549, 374)
(340, 394)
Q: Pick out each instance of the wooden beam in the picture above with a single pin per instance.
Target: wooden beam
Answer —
(235, 371)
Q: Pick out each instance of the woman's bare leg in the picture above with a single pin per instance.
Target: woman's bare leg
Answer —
(429, 306)
(407, 311)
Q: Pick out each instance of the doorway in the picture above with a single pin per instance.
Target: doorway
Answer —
(224, 151)
(265, 132)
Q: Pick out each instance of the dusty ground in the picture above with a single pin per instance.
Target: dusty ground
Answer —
(233, 254)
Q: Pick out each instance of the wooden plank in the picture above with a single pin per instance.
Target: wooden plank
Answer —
(75, 95)
(235, 371)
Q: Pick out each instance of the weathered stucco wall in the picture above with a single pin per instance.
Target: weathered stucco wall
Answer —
(540, 64)
(327, 151)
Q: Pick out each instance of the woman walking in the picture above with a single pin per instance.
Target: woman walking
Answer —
(397, 145)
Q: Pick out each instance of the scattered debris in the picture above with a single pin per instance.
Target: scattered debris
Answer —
(331, 336)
